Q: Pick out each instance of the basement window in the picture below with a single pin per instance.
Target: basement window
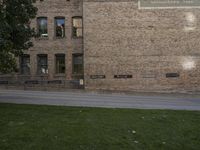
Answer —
(77, 27)
(25, 64)
(172, 75)
(60, 27)
(123, 76)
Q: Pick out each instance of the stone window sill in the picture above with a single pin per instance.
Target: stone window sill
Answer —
(24, 75)
(59, 38)
(60, 75)
(74, 37)
(41, 38)
(42, 75)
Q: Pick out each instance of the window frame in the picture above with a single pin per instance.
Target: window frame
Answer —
(22, 65)
(73, 35)
(57, 69)
(55, 25)
(38, 26)
(73, 64)
(39, 72)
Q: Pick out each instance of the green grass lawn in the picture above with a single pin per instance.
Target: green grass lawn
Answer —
(30, 127)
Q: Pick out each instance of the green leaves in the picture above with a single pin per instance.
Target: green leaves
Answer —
(15, 31)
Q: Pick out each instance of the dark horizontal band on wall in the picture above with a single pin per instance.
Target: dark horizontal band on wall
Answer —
(172, 75)
(97, 77)
(123, 76)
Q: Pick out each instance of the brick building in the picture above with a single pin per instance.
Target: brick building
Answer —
(58, 47)
(59, 41)
(135, 45)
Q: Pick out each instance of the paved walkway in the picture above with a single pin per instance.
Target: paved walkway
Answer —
(89, 99)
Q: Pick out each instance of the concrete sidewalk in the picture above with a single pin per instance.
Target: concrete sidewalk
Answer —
(89, 99)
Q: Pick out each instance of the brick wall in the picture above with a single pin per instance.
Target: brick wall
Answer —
(120, 39)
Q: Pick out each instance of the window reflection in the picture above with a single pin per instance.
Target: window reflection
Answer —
(77, 27)
(42, 27)
(60, 27)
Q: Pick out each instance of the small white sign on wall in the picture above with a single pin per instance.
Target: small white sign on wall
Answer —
(81, 82)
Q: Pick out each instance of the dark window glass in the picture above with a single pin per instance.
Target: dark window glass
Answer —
(25, 64)
(42, 27)
(60, 63)
(42, 66)
(77, 64)
(60, 27)
(77, 29)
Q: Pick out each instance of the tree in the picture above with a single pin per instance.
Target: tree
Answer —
(15, 31)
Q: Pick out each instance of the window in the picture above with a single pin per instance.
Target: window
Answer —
(60, 27)
(42, 64)
(77, 30)
(25, 64)
(60, 63)
(77, 64)
(42, 27)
